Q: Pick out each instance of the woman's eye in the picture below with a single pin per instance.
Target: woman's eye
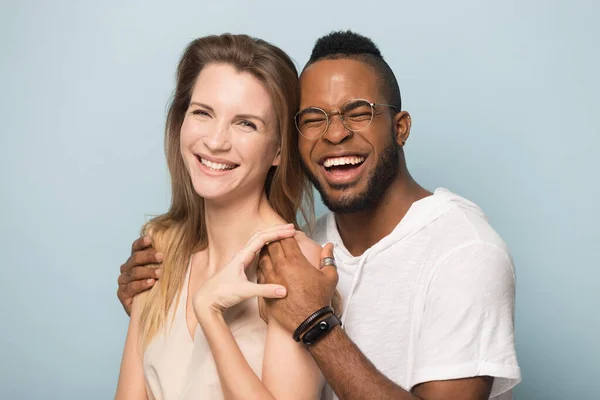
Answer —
(248, 124)
(200, 113)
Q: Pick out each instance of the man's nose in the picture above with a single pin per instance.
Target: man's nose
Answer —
(337, 132)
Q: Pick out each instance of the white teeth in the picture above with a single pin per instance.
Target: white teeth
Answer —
(216, 166)
(353, 160)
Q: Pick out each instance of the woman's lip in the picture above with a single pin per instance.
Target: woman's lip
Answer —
(215, 159)
(212, 172)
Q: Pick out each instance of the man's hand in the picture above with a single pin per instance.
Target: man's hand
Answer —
(138, 274)
(308, 288)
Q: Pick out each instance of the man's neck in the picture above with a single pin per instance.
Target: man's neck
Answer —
(363, 229)
(229, 226)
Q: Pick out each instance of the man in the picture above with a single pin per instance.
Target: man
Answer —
(427, 284)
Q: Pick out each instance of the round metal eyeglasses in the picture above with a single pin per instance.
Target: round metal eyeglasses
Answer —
(356, 115)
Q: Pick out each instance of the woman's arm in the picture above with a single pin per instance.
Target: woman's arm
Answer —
(299, 380)
(289, 371)
(132, 384)
(237, 378)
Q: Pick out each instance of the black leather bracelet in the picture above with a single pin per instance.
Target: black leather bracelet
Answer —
(309, 320)
(320, 329)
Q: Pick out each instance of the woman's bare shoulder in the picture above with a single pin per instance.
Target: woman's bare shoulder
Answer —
(310, 248)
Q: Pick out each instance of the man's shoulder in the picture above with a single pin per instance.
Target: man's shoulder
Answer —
(464, 221)
(467, 247)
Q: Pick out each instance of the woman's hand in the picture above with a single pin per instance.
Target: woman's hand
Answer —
(231, 286)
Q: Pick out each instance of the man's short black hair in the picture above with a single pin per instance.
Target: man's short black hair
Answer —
(347, 44)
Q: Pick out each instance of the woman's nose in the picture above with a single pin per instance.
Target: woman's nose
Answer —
(218, 140)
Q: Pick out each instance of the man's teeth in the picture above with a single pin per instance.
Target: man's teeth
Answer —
(216, 166)
(335, 161)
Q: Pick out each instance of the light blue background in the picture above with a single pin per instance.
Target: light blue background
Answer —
(504, 99)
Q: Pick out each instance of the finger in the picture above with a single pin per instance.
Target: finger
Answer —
(327, 251)
(141, 243)
(138, 274)
(273, 228)
(269, 291)
(142, 258)
(329, 271)
(290, 247)
(260, 276)
(265, 265)
(136, 287)
(276, 252)
(248, 253)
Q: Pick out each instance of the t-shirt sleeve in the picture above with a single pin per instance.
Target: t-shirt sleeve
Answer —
(467, 327)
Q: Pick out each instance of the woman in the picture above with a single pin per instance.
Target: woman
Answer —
(236, 182)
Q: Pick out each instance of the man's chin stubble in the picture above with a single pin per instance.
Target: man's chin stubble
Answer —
(343, 204)
(377, 183)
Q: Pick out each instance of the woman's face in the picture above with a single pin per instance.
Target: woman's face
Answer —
(229, 137)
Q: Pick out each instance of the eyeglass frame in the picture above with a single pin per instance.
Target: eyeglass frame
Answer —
(329, 115)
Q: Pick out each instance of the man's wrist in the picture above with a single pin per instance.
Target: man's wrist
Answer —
(303, 313)
(320, 329)
(310, 321)
(324, 344)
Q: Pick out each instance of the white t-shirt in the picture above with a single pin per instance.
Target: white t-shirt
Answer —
(433, 300)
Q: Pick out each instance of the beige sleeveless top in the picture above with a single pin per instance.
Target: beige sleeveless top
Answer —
(177, 367)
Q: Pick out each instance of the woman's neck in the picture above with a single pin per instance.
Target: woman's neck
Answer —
(230, 226)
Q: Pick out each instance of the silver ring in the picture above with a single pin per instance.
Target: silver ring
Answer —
(328, 261)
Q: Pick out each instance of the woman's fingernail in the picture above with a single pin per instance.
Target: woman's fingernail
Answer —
(280, 292)
(160, 256)
(148, 281)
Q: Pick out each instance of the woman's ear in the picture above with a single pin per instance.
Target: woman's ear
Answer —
(277, 158)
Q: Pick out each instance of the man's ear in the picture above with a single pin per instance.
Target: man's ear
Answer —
(402, 124)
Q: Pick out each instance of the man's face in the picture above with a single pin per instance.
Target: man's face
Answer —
(351, 170)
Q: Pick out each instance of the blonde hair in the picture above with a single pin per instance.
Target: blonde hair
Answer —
(181, 231)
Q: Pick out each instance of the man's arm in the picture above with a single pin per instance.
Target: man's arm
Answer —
(138, 273)
(352, 376)
(347, 370)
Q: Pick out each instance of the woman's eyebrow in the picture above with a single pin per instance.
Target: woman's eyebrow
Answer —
(238, 116)
(196, 103)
